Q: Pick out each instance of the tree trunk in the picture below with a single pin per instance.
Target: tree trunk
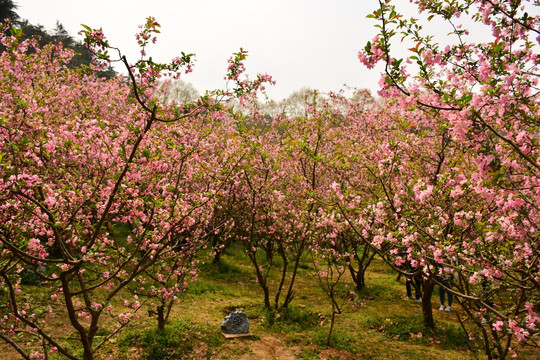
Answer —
(283, 277)
(88, 355)
(161, 317)
(427, 309)
(215, 243)
(331, 325)
(290, 293)
(360, 280)
(216, 257)
(266, 298)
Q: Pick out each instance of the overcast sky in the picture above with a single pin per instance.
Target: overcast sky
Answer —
(300, 43)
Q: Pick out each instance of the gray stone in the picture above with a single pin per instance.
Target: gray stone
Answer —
(235, 323)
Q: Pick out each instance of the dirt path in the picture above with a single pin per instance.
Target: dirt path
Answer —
(268, 347)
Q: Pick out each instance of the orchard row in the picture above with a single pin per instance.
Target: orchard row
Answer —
(438, 176)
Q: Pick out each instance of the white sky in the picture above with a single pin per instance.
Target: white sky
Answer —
(300, 43)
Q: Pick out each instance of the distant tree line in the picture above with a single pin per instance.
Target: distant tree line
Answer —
(82, 58)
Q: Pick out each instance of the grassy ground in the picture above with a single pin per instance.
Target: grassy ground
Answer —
(381, 324)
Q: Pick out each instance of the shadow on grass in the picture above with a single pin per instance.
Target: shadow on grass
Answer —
(227, 270)
(412, 329)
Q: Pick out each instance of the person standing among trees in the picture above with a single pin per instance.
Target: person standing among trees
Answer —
(417, 284)
(447, 282)
(416, 277)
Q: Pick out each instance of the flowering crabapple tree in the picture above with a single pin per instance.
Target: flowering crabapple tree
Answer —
(395, 156)
(326, 143)
(257, 190)
(204, 167)
(421, 211)
(346, 119)
(330, 265)
(410, 218)
(477, 200)
(75, 164)
(273, 211)
(80, 158)
(394, 189)
(307, 145)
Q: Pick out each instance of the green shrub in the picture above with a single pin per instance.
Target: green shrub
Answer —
(29, 277)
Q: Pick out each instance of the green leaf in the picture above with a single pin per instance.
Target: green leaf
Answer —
(446, 97)
(367, 48)
(465, 99)
(16, 31)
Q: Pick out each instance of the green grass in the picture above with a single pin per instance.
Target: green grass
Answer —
(413, 330)
(305, 324)
(379, 324)
(339, 340)
(198, 288)
(454, 336)
(402, 328)
(308, 354)
(293, 318)
(178, 341)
